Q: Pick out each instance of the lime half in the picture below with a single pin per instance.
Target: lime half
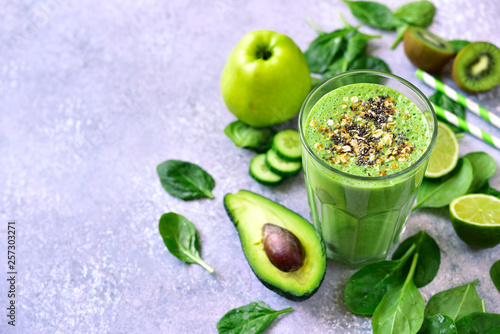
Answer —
(476, 219)
(444, 156)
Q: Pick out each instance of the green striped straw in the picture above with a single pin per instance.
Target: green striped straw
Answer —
(470, 128)
(455, 96)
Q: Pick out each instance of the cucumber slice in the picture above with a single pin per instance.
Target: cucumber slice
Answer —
(281, 166)
(261, 173)
(286, 143)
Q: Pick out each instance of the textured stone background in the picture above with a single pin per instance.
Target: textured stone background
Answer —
(94, 95)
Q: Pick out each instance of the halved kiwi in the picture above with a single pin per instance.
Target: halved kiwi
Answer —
(426, 50)
(477, 67)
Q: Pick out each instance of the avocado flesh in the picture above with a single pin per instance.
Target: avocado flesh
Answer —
(249, 212)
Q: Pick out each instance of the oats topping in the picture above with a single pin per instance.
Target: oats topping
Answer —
(368, 138)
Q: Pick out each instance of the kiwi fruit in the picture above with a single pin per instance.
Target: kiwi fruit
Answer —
(477, 67)
(426, 50)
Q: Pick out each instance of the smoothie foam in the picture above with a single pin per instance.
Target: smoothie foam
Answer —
(367, 130)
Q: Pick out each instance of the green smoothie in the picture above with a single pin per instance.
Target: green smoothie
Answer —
(371, 135)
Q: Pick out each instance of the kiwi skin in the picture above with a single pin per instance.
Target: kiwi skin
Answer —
(454, 74)
(423, 56)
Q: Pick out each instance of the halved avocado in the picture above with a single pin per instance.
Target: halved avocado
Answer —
(250, 213)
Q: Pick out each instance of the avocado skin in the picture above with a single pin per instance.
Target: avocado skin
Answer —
(286, 294)
(290, 296)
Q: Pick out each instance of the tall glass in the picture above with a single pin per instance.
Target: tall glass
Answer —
(360, 217)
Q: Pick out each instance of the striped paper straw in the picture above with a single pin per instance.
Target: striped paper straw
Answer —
(462, 124)
(455, 96)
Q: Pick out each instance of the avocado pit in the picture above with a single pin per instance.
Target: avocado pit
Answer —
(282, 247)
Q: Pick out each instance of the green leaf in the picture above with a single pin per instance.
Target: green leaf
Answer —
(356, 45)
(369, 63)
(335, 68)
(401, 310)
(185, 180)
(456, 302)
(366, 287)
(446, 103)
(372, 13)
(249, 319)
(401, 30)
(495, 274)
(181, 239)
(324, 49)
(488, 190)
(429, 257)
(479, 323)
(483, 167)
(435, 193)
(458, 44)
(438, 324)
(417, 13)
(243, 135)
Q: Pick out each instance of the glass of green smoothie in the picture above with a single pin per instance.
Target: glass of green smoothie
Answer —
(366, 140)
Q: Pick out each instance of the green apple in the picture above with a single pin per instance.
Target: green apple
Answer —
(265, 79)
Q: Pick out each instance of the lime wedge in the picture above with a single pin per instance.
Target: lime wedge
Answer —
(476, 219)
(444, 156)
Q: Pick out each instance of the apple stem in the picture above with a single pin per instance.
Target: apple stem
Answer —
(313, 25)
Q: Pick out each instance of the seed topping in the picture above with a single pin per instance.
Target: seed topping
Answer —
(367, 135)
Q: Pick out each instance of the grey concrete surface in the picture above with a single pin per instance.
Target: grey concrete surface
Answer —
(93, 95)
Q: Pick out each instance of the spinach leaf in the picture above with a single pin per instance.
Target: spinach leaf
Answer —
(181, 239)
(252, 318)
(495, 274)
(429, 257)
(185, 180)
(372, 13)
(369, 63)
(435, 193)
(458, 44)
(479, 323)
(355, 49)
(365, 289)
(438, 324)
(243, 135)
(401, 27)
(417, 13)
(324, 49)
(401, 310)
(483, 167)
(356, 45)
(445, 102)
(456, 302)
(335, 68)
(488, 190)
